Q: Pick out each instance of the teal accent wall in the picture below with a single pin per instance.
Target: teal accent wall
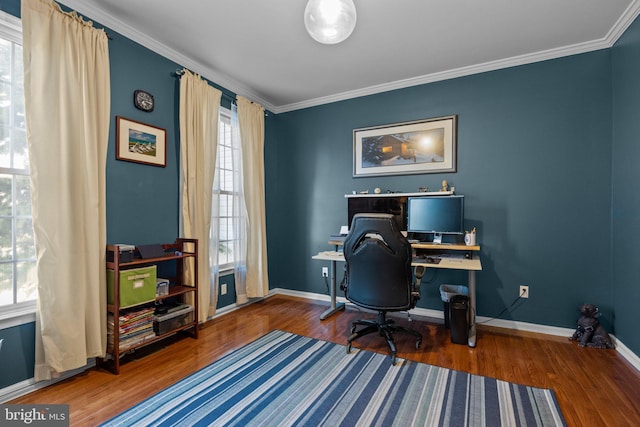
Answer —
(142, 200)
(534, 162)
(546, 160)
(625, 199)
(17, 355)
(230, 297)
(12, 7)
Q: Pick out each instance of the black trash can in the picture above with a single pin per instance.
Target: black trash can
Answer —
(446, 293)
(459, 307)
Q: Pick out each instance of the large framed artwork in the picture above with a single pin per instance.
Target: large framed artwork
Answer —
(141, 143)
(422, 146)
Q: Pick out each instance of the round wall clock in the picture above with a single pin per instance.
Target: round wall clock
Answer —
(143, 100)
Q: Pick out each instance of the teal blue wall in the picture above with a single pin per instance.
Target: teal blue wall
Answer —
(142, 200)
(535, 155)
(17, 355)
(12, 7)
(534, 162)
(626, 175)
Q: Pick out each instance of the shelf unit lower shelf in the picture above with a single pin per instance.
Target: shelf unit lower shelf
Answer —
(123, 351)
(152, 329)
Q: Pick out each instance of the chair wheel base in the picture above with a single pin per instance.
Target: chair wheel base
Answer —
(385, 328)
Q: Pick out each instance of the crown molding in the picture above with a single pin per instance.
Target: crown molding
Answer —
(97, 14)
(608, 41)
(625, 20)
(450, 74)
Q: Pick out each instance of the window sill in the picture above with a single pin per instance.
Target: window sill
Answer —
(18, 314)
(225, 271)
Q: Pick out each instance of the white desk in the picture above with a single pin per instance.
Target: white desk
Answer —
(455, 261)
(333, 257)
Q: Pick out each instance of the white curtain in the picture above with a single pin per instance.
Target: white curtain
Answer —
(67, 105)
(239, 213)
(199, 104)
(251, 124)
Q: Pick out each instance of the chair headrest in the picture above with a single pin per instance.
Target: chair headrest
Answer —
(380, 227)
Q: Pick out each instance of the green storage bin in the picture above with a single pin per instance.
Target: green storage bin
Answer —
(137, 286)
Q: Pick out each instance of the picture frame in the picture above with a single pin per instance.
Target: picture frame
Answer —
(416, 147)
(140, 142)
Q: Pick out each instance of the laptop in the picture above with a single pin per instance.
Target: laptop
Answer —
(151, 251)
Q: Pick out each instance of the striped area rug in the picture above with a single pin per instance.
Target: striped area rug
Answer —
(286, 379)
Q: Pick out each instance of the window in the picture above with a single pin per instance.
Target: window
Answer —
(17, 250)
(225, 192)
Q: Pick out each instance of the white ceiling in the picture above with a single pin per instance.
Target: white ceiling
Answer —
(260, 48)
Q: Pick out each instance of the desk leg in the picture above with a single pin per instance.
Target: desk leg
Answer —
(472, 315)
(332, 289)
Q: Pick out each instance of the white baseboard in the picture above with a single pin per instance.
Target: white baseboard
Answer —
(28, 386)
(438, 314)
(629, 355)
(623, 350)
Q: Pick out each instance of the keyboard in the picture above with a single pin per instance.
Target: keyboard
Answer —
(428, 259)
(331, 253)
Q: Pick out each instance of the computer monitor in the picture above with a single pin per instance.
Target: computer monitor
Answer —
(436, 214)
(395, 205)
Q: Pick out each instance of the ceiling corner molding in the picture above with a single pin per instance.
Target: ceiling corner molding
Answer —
(99, 15)
(455, 73)
(608, 41)
(623, 23)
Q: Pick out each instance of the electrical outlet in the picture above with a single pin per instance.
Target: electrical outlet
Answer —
(524, 291)
(325, 271)
(223, 289)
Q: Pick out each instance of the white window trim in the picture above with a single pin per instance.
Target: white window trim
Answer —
(21, 313)
(228, 268)
(10, 27)
(17, 314)
(223, 269)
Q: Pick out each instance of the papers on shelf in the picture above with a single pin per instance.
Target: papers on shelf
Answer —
(135, 327)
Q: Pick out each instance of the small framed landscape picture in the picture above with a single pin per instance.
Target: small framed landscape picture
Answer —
(423, 146)
(140, 143)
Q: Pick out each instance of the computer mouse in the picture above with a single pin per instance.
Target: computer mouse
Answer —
(431, 260)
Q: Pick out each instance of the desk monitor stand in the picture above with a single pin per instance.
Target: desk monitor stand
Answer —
(437, 238)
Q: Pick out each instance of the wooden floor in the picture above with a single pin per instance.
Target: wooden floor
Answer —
(594, 387)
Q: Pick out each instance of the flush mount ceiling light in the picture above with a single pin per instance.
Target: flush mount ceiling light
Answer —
(330, 21)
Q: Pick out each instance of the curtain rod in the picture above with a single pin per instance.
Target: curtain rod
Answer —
(179, 72)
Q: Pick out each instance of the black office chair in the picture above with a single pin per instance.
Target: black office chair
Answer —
(378, 276)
